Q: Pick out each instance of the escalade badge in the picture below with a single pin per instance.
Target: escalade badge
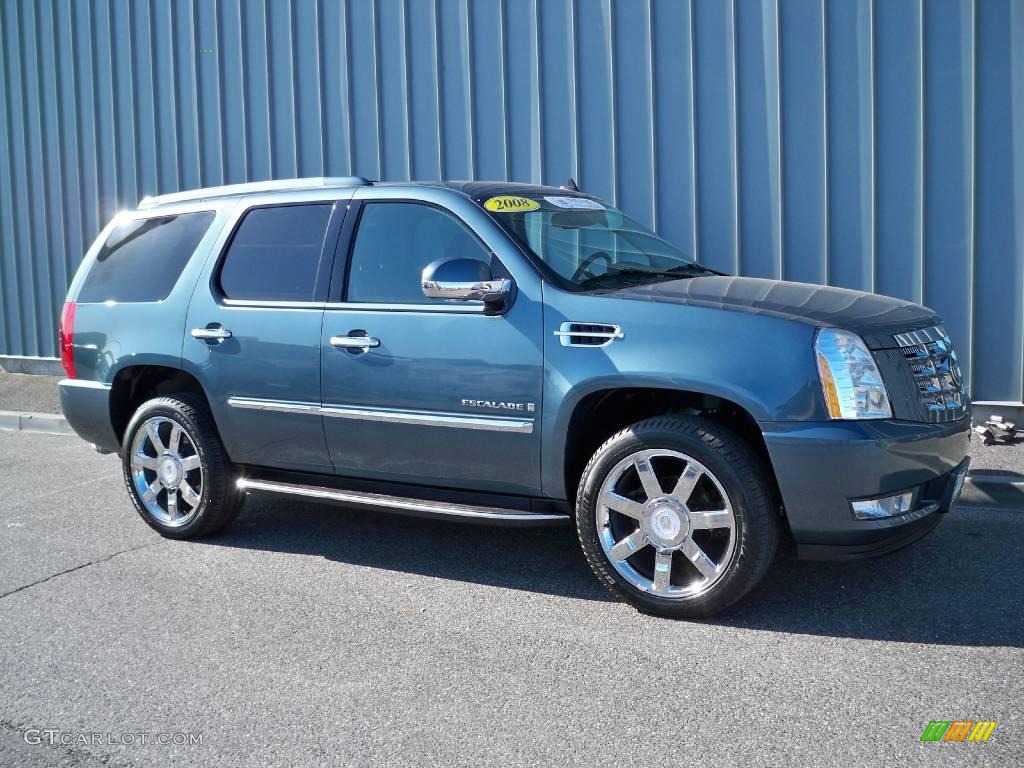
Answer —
(499, 405)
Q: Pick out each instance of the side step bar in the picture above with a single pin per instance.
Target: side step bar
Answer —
(404, 505)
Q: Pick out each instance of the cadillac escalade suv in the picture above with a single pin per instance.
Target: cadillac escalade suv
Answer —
(507, 353)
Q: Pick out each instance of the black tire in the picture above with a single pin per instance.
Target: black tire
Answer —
(743, 477)
(220, 499)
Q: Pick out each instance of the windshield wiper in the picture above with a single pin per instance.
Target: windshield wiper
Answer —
(620, 274)
(631, 273)
(690, 268)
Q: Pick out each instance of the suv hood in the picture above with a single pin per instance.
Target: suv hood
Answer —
(865, 313)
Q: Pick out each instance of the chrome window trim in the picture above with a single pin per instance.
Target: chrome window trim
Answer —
(256, 303)
(389, 415)
(470, 309)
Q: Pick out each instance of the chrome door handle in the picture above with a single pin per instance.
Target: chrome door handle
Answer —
(211, 334)
(355, 342)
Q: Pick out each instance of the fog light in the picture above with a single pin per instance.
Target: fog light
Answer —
(887, 506)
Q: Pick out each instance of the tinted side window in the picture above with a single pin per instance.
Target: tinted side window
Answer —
(393, 244)
(143, 258)
(275, 253)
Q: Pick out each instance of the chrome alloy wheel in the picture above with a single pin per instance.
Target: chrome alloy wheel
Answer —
(670, 544)
(167, 471)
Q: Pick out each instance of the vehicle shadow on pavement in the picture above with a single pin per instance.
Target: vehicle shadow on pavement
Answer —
(546, 560)
(957, 586)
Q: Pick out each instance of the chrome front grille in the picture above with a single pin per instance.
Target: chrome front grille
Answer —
(935, 372)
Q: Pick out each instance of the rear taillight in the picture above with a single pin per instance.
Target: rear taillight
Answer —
(66, 337)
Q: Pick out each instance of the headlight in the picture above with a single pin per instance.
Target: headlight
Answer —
(850, 379)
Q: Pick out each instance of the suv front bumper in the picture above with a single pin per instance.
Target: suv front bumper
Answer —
(821, 467)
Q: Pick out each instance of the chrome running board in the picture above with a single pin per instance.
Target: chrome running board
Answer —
(418, 507)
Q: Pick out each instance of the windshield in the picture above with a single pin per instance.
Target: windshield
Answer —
(587, 244)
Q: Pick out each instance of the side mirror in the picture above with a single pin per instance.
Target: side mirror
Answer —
(465, 280)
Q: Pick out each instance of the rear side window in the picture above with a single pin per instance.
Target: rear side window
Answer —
(143, 258)
(393, 244)
(275, 254)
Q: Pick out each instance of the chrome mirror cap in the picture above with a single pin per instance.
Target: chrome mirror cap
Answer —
(487, 291)
(464, 280)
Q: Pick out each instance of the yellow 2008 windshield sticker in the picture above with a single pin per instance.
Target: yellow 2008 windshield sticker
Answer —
(511, 204)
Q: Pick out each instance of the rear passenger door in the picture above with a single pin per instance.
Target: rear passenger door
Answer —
(252, 337)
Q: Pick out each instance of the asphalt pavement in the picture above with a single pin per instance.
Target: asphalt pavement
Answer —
(317, 635)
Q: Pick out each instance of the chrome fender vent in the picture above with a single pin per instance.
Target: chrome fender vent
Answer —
(588, 334)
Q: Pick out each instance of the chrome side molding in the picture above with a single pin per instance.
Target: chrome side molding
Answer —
(421, 507)
(281, 406)
(430, 419)
(83, 384)
(396, 416)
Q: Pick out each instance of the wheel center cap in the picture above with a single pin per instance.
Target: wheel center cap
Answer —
(666, 523)
(170, 471)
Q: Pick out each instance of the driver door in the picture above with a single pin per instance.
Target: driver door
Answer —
(439, 393)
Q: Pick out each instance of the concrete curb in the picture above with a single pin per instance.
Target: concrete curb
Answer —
(995, 490)
(47, 423)
(1010, 411)
(45, 366)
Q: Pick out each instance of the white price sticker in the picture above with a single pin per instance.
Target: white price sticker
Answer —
(579, 203)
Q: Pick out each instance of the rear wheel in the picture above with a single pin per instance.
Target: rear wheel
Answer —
(676, 516)
(176, 470)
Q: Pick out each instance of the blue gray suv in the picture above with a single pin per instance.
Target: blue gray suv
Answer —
(507, 353)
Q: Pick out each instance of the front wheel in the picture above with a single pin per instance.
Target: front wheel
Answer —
(676, 515)
(176, 470)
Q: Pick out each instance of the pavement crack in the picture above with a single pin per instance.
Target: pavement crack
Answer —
(97, 561)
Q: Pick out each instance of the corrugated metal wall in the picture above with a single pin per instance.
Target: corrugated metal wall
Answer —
(874, 144)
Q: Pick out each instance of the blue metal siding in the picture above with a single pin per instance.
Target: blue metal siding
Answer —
(872, 144)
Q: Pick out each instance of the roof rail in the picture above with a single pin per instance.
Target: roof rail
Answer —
(255, 187)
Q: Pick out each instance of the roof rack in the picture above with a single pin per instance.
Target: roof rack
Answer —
(278, 185)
